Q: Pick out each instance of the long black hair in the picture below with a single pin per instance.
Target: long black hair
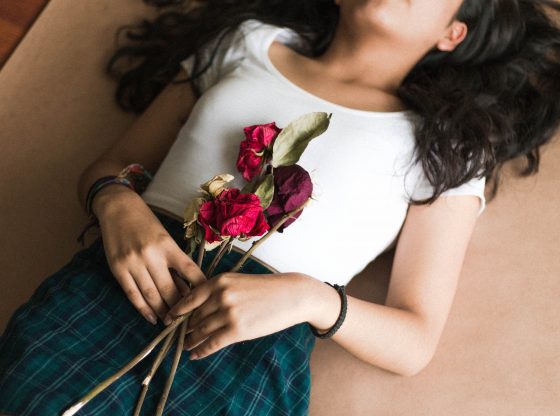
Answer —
(492, 99)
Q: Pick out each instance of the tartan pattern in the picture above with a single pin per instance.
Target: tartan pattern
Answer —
(79, 327)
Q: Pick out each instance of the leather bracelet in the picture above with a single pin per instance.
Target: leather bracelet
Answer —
(93, 189)
(133, 176)
(98, 185)
(344, 304)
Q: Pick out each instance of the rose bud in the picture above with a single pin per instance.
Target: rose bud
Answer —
(292, 187)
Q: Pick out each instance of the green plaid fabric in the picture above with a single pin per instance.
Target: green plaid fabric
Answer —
(79, 327)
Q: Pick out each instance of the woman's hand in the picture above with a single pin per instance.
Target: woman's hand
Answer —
(233, 307)
(140, 252)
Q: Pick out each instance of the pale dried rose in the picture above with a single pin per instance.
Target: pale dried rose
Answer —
(217, 184)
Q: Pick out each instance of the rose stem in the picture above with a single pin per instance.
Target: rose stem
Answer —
(157, 361)
(165, 349)
(200, 254)
(167, 346)
(226, 248)
(217, 258)
(110, 380)
(262, 239)
(168, 331)
(176, 358)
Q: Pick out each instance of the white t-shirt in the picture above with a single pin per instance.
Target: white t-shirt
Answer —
(357, 166)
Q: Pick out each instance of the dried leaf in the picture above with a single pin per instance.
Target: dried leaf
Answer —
(294, 138)
(265, 190)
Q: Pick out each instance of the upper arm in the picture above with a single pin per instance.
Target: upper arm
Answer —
(428, 260)
(150, 136)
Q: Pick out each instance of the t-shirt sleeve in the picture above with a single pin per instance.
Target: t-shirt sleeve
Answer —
(475, 186)
(231, 49)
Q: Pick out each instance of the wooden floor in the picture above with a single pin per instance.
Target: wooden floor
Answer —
(16, 17)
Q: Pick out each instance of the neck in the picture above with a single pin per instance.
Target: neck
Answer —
(375, 62)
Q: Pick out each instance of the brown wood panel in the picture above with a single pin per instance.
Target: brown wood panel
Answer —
(16, 17)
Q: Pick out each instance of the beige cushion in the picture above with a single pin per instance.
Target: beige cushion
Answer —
(500, 351)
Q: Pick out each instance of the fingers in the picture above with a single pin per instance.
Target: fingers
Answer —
(186, 266)
(205, 328)
(217, 340)
(183, 286)
(164, 282)
(133, 293)
(203, 311)
(149, 290)
(193, 300)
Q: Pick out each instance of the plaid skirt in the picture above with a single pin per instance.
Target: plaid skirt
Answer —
(78, 328)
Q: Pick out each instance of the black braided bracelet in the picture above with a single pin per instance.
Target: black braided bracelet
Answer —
(93, 189)
(342, 292)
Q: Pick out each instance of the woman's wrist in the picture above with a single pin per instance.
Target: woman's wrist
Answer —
(109, 197)
(321, 303)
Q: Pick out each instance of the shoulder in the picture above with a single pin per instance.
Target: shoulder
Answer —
(259, 34)
(253, 31)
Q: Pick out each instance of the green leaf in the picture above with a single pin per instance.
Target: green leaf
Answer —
(292, 141)
(265, 190)
(191, 246)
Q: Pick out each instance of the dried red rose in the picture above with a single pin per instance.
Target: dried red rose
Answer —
(255, 148)
(232, 214)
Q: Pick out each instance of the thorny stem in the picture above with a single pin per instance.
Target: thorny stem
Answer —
(217, 258)
(176, 358)
(200, 254)
(157, 361)
(166, 347)
(110, 380)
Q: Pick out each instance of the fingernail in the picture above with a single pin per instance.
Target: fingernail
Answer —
(152, 319)
(167, 320)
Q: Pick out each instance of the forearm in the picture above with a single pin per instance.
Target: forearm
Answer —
(387, 337)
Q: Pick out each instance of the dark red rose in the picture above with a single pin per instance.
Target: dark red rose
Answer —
(232, 214)
(259, 137)
(292, 187)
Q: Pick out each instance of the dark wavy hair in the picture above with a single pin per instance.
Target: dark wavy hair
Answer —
(492, 99)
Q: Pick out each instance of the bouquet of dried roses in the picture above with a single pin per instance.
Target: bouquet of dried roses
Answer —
(274, 196)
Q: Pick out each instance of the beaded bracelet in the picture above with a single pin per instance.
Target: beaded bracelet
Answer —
(133, 176)
(138, 176)
(344, 304)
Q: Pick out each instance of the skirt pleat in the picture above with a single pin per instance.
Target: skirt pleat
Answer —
(78, 328)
